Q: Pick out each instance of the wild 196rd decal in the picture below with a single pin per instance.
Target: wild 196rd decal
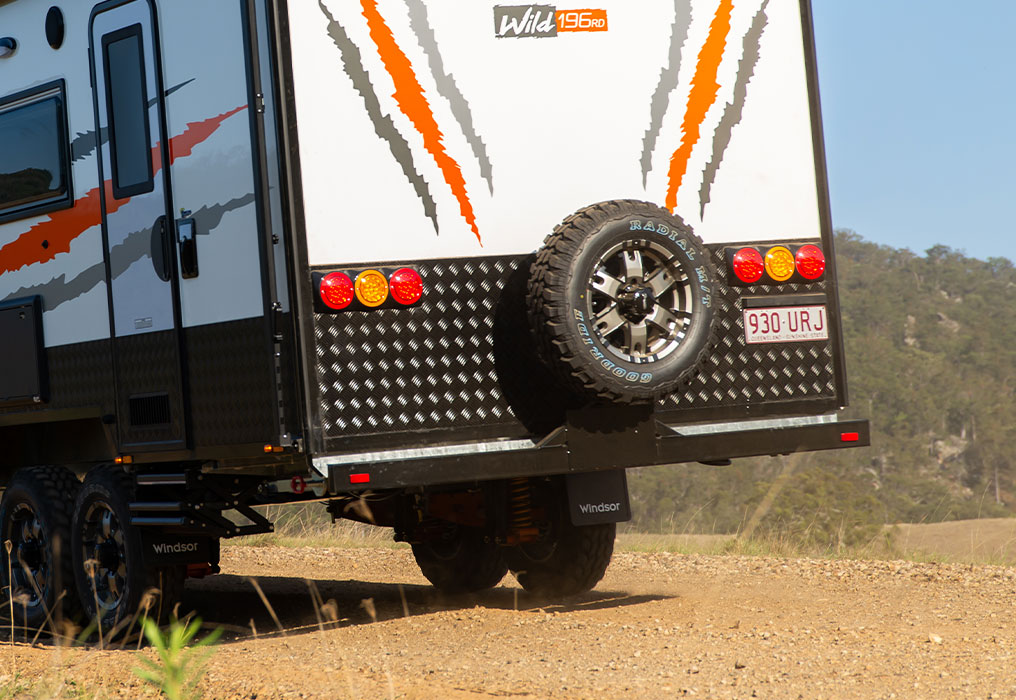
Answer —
(520, 21)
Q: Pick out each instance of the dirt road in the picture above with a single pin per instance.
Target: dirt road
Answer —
(658, 626)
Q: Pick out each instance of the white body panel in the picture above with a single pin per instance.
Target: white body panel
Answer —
(563, 121)
(70, 272)
(211, 173)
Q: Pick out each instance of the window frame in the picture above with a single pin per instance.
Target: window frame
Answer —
(147, 185)
(26, 98)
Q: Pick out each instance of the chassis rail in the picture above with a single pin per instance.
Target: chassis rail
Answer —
(586, 446)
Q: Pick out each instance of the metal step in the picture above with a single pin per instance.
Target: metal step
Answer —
(161, 479)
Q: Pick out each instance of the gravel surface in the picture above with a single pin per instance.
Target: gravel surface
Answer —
(658, 626)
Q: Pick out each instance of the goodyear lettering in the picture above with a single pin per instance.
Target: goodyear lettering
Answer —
(646, 377)
(579, 316)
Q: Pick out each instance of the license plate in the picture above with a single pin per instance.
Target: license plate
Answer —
(785, 324)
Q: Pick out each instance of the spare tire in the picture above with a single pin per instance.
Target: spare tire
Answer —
(621, 301)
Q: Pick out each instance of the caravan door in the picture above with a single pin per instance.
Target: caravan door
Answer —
(138, 225)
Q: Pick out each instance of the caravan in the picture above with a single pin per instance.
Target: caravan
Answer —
(449, 268)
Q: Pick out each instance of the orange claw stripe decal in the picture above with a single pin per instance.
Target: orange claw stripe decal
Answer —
(411, 100)
(701, 98)
(62, 227)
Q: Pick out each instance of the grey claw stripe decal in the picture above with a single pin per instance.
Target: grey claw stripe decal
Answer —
(84, 144)
(135, 246)
(668, 83)
(383, 124)
(446, 86)
(734, 110)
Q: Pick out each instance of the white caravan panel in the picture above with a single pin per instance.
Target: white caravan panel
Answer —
(446, 129)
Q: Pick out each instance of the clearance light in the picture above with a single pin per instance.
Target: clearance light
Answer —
(748, 265)
(336, 290)
(124, 459)
(810, 262)
(780, 263)
(371, 288)
(407, 286)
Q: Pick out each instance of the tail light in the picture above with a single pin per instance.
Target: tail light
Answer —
(371, 288)
(780, 263)
(406, 286)
(377, 288)
(336, 290)
(810, 262)
(793, 263)
(748, 265)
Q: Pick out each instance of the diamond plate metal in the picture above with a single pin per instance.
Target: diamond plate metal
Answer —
(738, 374)
(231, 377)
(430, 366)
(149, 363)
(433, 366)
(80, 376)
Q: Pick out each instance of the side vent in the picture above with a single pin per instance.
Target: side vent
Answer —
(150, 409)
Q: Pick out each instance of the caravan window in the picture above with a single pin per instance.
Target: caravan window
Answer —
(127, 106)
(34, 168)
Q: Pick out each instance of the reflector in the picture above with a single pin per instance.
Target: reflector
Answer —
(336, 290)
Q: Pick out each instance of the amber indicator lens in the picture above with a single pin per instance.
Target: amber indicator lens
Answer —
(748, 265)
(810, 262)
(336, 290)
(406, 286)
(371, 288)
(779, 263)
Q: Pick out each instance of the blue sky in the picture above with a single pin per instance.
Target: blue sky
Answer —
(919, 109)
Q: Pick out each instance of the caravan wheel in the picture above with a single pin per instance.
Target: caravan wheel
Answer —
(109, 569)
(621, 301)
(35, 519)
(567, 561)
(461, 561)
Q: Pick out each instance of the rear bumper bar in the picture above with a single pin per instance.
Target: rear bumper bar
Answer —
(588, 445)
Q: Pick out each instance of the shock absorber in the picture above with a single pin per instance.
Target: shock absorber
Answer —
(520, 505)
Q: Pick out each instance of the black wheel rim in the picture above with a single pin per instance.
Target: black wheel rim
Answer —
(640, 300)
(104, 554)
(30, 564)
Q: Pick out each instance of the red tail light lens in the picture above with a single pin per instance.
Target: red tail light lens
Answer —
(748, 265)
(337, 291)
(810, 262)
(406, 286)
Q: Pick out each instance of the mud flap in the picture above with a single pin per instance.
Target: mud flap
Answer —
(598, 497)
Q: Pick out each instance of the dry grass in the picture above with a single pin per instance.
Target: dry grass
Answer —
(311, 526)
(985, 541)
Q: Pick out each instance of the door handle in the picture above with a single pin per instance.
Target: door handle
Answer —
(162, 254)
(187, 237)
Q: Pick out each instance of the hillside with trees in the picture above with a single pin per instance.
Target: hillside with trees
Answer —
(931, 358)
